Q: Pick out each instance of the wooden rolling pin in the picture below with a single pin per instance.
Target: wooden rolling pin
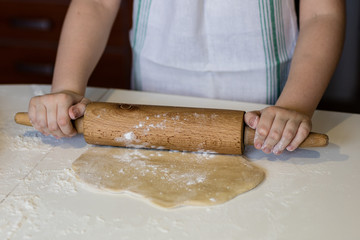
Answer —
(173, 128)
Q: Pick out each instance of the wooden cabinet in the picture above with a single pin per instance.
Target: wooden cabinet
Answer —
(29, 34)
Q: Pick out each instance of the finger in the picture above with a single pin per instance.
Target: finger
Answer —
(275, 134)
(32, 113)
(52, 122)
(263, 129)
(40, 120)
(78, 109)
(252, 119)
(287, 136)
(302, 132)
(64, 122)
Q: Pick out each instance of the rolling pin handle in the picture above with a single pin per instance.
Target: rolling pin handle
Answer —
(313, 140)
(23, 119)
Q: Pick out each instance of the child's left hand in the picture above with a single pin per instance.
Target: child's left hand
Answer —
(278, 129)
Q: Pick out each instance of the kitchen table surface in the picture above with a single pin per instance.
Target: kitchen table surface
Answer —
(307, 194)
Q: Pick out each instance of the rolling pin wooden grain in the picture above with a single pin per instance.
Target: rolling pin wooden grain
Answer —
(172, 128)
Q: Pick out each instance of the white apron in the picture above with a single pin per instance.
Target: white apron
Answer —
(225, 49)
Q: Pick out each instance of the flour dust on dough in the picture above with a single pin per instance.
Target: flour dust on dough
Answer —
(167, 178)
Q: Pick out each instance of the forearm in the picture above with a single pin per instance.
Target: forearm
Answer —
(315, 58)
(83, 39)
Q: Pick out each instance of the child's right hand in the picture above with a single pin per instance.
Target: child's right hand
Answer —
(51, 114)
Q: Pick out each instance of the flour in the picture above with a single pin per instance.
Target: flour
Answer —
(130, 156)
(29, 143)
(129, 139)
(23, 140)
(22, 207)
(52, 181)
(140, 125)
(139, 161)
(19, 210)
(161, 125)
(148, 127)
(31, 217)
(198, 179)
(200, 117)
(176, 118)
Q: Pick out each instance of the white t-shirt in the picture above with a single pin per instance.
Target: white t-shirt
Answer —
(225, 49)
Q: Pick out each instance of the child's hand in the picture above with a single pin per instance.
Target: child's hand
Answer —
(278, 129)
(51, 114)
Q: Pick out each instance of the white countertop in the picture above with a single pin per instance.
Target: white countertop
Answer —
(307, 194)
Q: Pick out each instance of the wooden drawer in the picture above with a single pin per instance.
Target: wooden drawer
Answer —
(26, 65)
(35, 65)
(41, 20)
(29, 34)
(31, 20)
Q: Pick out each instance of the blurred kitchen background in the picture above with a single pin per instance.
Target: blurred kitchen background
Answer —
(30, 29)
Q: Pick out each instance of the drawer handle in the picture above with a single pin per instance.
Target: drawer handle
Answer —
(37, 68)
(31, 24)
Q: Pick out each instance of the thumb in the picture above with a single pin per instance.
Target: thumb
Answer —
(252, 118)
(78, 110)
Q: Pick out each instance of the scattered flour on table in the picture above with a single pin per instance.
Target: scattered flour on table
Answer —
(61, 182)
(19, 211)
(32, 141)
(31, 217)
(22, 208)
(22, 143)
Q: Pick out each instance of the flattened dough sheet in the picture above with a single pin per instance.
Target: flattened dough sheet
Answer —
(168, 178)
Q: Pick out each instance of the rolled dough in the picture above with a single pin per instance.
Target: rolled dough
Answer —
(168, 178)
